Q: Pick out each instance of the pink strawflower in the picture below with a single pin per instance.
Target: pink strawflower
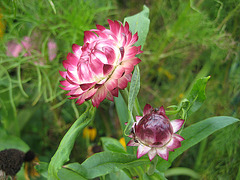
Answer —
(103, 65)
(52, 50)
(29, 45)
(155, 134)
(13, 49)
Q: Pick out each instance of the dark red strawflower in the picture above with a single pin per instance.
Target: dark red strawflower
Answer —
(155, 134)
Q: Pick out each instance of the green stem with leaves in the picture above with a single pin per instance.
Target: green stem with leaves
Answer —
(63, 152)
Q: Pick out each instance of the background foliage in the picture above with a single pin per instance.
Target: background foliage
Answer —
(187, 40)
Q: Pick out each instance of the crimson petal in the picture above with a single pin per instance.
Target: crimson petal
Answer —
(147, 109)
(107, 68)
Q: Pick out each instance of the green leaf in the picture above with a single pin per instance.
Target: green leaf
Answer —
(122, 110)
(63, 152)
(196, 96)
(42, 169)
(104, 163)
(66, 174)
(118, 175)
(139, 23)
(123, 113)
(129, 124)
(196, 133)
(111, 144)
(10, 141)
(134, 88)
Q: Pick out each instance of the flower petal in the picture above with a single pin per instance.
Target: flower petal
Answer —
(174, 144)
(162, 110)
(84, 97)
(114, 26)
(63, 74)
(77, 50)
(72, 59)
(176, 124)
(115, 92)
(152, 153)
(101, 56)
(180, 138)
(100, 27)
(142, 150)
(107, 68)
(75, 92)
(89, 36)
(110, 96)
(111, 84)
(138, 118)
(99, 96)
(131, 53)
(118, 73)
(132, 143)
(123, 82)
(163, 153)
(86, 86)
(147, 109)
(110, 54)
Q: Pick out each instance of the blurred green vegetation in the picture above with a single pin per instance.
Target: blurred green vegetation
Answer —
(188, 39)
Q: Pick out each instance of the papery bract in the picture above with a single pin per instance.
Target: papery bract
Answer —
(155, 134)
(103, 65)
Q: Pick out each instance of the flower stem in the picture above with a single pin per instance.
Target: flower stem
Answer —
(153, 166)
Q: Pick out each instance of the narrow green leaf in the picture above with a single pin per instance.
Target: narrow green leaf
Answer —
(134, 88)
(63, 152)
(48, 86)
(139, 23)
(104, 163)
(111, 144)
(196, 133)
(196, 97)
(39, 79)
(20, 81)
(238, 174)
(129, 125)
(182, 171)
(52, 5)
(122, 112)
